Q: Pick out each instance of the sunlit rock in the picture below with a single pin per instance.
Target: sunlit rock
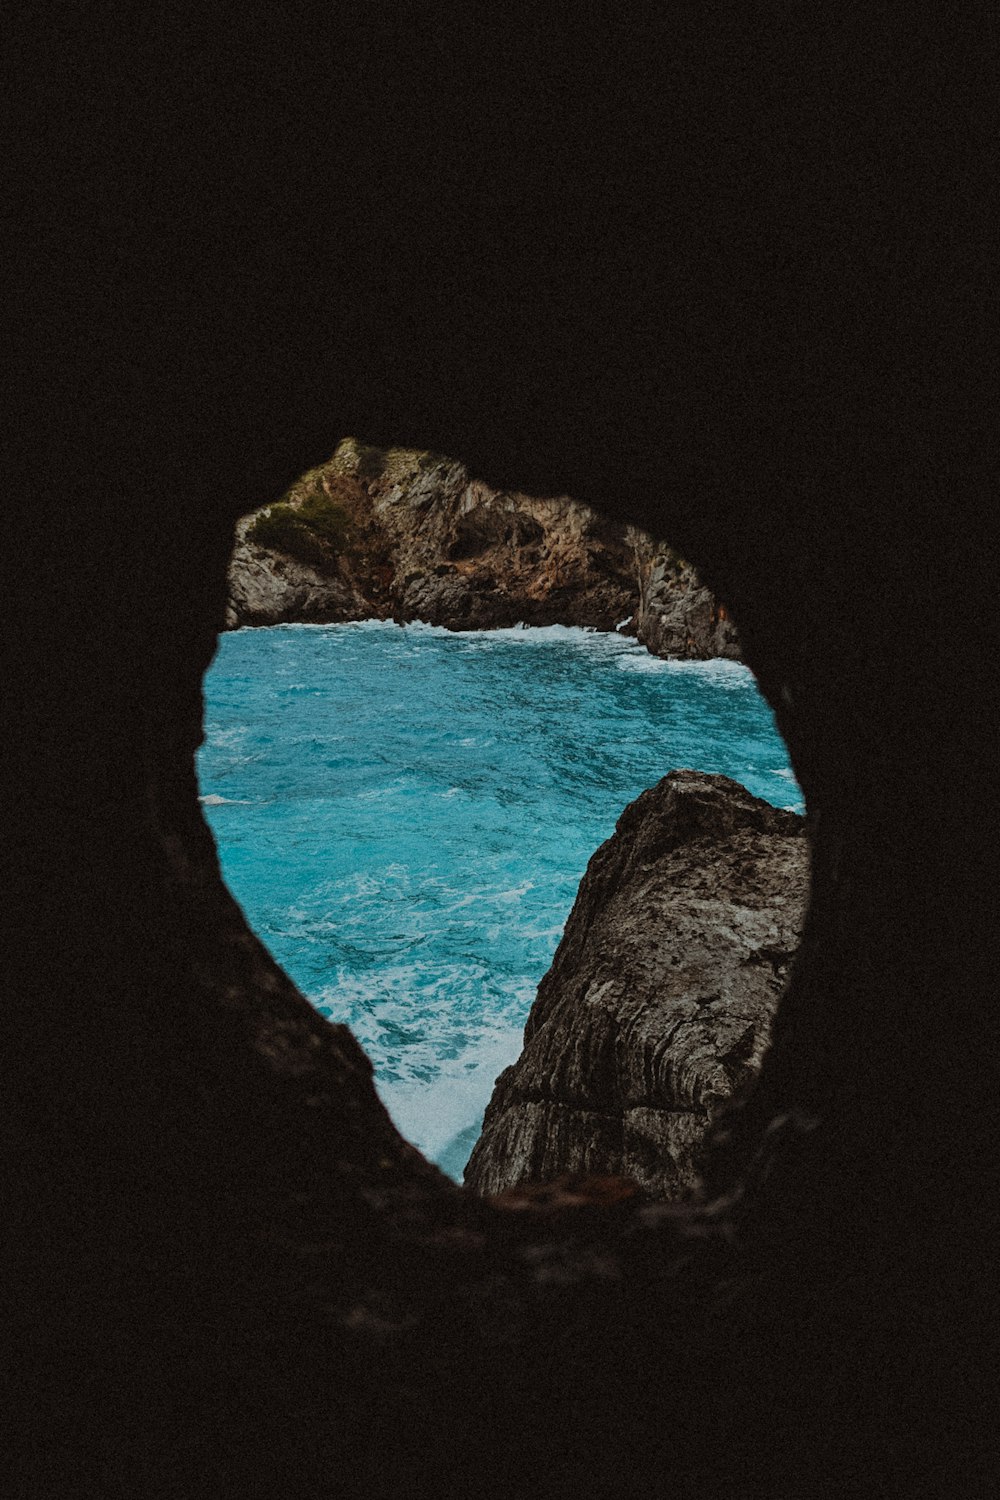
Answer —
(409, 535)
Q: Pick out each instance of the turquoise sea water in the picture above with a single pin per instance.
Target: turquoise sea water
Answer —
(404, 814)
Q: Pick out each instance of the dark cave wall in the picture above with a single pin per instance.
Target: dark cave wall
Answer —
(764, 338)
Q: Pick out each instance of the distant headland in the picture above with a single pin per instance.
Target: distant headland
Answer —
(408, 535)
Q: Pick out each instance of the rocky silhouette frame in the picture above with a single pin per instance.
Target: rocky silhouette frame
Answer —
(726, 277)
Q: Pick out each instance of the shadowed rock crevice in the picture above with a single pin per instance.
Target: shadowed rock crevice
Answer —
(658, 1005)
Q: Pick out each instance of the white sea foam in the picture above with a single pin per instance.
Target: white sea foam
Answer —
(528, 635)
(226, 738)
(641, 663)
(432, 1114)
(538, 635)
(720, 670)
(213, 800)
(379, 793)
(630, 655)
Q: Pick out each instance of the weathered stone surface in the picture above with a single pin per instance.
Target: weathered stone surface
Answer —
(267, 587)
(427, 542)
(658, 1004)
(676, 614)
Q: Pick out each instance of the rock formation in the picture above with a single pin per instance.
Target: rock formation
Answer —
(658, 1004)
(676, 614)
(267, 587)
(421, 540)
(424, 541)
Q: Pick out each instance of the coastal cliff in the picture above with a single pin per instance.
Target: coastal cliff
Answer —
(406, 535)
(676, 615)
(658, 1004)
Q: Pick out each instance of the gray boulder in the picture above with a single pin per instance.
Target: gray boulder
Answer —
(658, 1004)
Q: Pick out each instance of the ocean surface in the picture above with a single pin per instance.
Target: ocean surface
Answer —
(405, 813)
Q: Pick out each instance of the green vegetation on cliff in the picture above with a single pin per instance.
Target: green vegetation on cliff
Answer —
(312, 523)
(316, 520)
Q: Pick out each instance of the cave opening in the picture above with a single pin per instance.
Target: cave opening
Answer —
(733, 271)
(434, 703)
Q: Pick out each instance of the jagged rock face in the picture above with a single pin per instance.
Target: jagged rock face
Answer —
(267, 587)
(676, 614)
(426, 542)
(658, 1004)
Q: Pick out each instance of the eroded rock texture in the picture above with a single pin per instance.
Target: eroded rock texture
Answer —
(676, 614)
(658, 1004)
(425, 541)
(267, 587)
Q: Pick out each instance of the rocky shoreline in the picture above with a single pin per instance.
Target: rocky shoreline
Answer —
(405, 535)
(658, 1005)
(631, 1045)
